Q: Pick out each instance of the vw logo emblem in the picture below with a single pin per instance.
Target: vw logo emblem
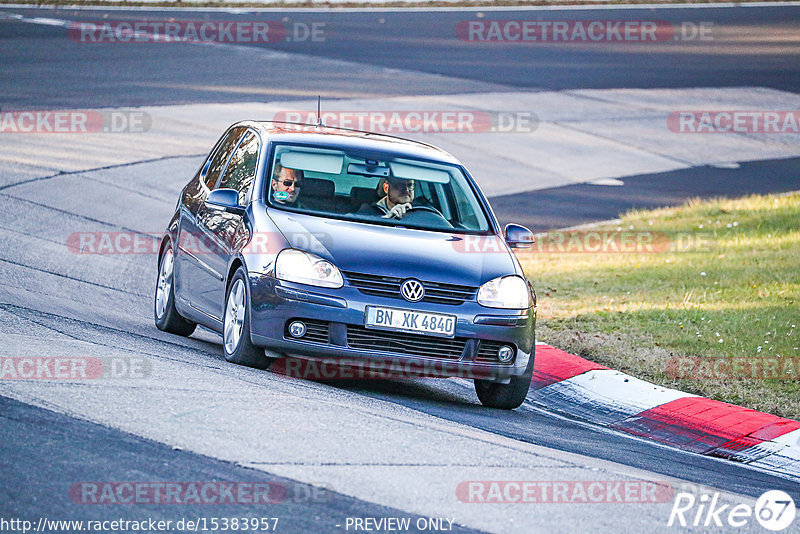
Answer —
(412, 290)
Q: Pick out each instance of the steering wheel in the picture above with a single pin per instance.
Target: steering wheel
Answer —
(427, 214)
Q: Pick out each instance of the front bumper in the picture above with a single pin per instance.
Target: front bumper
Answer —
(479, 331)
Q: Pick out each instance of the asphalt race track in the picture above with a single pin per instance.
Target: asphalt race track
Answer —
(331, 451)
(750, 47)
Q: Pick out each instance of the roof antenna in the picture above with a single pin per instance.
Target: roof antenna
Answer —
(319, 113)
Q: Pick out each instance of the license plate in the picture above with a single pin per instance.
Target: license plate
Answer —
(436, 324)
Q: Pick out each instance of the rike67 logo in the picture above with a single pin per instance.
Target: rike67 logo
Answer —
(774, 510)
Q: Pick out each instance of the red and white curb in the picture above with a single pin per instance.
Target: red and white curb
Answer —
(567, 383)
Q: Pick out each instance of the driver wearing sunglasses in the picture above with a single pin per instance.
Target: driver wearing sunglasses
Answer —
(286, 184)
(398, 194)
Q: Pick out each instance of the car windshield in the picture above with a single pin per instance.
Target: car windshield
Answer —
(388, 190)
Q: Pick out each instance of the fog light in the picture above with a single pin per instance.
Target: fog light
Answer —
(297, 329)
(504, 354)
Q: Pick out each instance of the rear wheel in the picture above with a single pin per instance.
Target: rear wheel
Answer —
(506, 396)
(166, 315)
(236, 341)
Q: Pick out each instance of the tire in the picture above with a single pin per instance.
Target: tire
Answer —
(236, 342)
(164, 312)
(506, 396)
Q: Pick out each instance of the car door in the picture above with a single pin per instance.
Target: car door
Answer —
(227, 232)
(194, 243)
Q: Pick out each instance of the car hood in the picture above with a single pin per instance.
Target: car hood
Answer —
(402, 252)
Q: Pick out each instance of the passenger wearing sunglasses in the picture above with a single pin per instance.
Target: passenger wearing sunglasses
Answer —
(286, 184)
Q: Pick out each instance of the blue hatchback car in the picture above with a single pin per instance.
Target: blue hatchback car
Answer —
(314, 242)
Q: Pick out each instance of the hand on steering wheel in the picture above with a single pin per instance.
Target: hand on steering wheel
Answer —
(398, 211)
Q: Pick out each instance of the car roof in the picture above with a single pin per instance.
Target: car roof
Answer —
(343, 138)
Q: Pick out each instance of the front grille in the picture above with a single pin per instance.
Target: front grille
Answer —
(316, 331)
(487, 351)
(389, 286)
(362, 338)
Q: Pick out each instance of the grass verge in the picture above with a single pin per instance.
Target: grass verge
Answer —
(703, 297)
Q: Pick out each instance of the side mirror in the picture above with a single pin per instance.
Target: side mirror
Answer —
(225, 199)
(517, 236)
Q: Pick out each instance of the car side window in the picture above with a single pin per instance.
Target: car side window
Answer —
(242, 167)
(221, 156)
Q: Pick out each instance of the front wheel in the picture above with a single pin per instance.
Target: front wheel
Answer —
(506, 396)
(166, 315)
(236, 341)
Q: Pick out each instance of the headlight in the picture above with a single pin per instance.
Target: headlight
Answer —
(504, 292)
(305, 268)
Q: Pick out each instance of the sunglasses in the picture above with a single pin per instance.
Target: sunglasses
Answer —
(401, 185)
(290, 183)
